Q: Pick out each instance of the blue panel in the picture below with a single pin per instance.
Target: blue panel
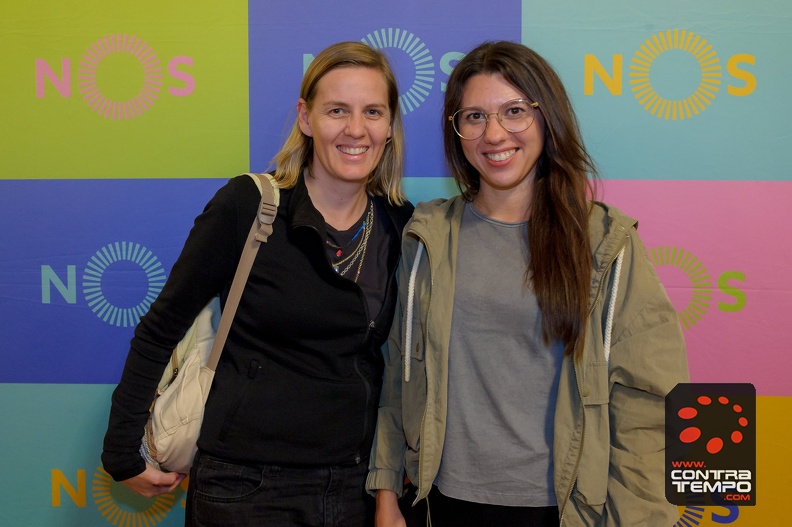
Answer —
(78, 261)
(283, 32)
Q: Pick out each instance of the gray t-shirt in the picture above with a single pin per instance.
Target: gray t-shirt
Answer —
(503, 380)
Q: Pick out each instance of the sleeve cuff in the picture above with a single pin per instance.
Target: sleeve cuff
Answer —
(382, 479)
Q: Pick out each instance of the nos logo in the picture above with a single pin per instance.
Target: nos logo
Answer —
(118, 505)
(111, 283)
(119, 77)
(401, 45)
(693, 60)
(700, 285)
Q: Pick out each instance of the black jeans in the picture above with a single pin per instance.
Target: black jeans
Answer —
(451, 512)
(223, 494)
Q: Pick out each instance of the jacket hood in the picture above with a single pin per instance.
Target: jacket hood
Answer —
(608, 230)
(608, 226)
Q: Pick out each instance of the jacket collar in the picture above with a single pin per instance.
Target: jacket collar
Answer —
(609, 229)
(437, 222)
(301, 212)
(433, 220)
(300, 209)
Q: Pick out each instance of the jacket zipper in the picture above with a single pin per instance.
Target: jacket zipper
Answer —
(364, 348)
(366, 384)
(577, 384)
(355, 363)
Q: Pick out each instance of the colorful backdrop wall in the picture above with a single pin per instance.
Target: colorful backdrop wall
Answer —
(121, 119)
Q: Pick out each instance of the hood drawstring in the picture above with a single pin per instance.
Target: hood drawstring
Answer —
(408, 325)
(612, 305)
(408, 330)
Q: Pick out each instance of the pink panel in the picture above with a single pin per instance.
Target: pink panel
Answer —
(740, 233)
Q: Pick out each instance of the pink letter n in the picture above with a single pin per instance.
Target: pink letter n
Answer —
(63, 85)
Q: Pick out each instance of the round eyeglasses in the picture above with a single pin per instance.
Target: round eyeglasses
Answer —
(514, 116)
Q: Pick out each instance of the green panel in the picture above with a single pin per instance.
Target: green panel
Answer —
(197, 126)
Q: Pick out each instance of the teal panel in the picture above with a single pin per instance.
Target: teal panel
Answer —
(742, 132)
(51, 444)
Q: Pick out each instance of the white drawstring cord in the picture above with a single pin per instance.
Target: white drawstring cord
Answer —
(408, 330)
(428, 513)
(612, 305)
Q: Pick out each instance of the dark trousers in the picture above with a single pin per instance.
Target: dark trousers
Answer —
(450, 512)
(223, 494)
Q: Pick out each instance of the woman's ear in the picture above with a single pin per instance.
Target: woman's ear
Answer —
(303, 118)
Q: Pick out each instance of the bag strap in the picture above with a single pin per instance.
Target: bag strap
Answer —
(259, 232)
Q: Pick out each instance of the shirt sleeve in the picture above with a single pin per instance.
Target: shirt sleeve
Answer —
(203, 269)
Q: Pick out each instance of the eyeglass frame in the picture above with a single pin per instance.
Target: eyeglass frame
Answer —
(533, 104)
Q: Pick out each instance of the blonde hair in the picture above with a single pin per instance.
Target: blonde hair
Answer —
(297, 152)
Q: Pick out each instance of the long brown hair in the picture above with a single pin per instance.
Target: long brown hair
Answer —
(297, 151)
(560, 264)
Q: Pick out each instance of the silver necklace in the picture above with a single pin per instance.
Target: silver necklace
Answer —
(360, 252)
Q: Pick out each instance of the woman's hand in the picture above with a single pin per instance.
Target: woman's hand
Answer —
(388, 513)
(153, 482)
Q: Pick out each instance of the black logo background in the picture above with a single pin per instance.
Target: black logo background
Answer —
(718, 419)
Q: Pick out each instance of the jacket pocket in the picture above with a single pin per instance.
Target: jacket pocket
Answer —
(236, 401)
(220, 481)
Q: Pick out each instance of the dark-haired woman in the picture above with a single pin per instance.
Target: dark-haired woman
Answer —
(534, 344)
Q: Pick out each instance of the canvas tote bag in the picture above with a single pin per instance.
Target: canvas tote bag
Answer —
(174, 424)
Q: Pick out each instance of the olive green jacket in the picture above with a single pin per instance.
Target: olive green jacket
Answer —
(609, 442)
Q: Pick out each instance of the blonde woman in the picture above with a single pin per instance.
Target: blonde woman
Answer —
(290, 418)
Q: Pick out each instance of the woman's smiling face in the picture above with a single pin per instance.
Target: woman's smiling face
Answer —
(505, 161)
(350, 123)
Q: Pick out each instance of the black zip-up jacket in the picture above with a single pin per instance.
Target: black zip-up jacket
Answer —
(299, 379)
